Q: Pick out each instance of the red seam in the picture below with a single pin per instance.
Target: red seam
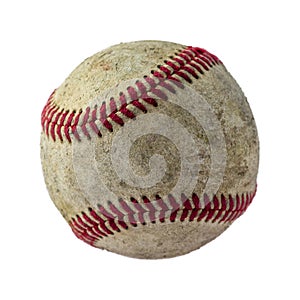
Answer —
(113, 112)
(60, 124)
(103, 117)
(132, 93)
(47, 109)
(176, 81)
(184, 76)
(116, 119)
(172, 65)
(163, 208)
(141, 87)
(93, 225)
(197, 67)
(100, 221)
(140, 210)
(84, 122)
(45, 113)
(109, 217)
(112, 105)
(74, 126)
(178, 69)
(81, 233)
(191, 71)
(175, 208)
(139, 105)
(52, 127)
(88, 230)
(150, 208)
(165, 70)
(48, 118)
(150, 101)
(186, 207)
(180, 61)
(93, 120)
(167, 86)
(184, 55)
(68, 125)
(129, 211)
(120, 216)
(159, 93)
(150, 81)
(157, 74)
(126, 112)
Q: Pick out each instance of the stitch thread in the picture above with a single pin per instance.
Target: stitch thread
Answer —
(185, 66)
(101, 223)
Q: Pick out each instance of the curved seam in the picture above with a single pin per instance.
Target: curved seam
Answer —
(191, 63)
(101, 223)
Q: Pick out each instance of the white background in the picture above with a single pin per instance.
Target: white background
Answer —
(42, 42)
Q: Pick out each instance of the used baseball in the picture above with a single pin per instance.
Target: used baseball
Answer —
(149, 149)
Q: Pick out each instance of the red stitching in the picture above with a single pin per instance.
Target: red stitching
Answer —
(129, 211)
(46, 121)
(157, 74)
(112, 105)
(113, 115)
(68, 125)
(119, 214)
(176, 81)
(93, 225)
(100, 221)
(175, 208)
(109, 217)
(132, 93)
(150, 208)
(184, 76)
(187, 207)
(163, 209)
(54, 124)
(220, 209)
(184, 55)
(103, 117)
(189, 63)
(172, 65)
(140, 210)
(150, 81)
(168, 87)
(60, 124)
(84, 122)
(197, 67)
(151, 101)
(74, 126)
(93, 122)
(47, 109)
(81, 232)
(139, 105)
(165, 70)
(191, 71)
(126, 112)
(180, 61)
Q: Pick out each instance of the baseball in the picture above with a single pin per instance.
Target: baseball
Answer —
(149, 149)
